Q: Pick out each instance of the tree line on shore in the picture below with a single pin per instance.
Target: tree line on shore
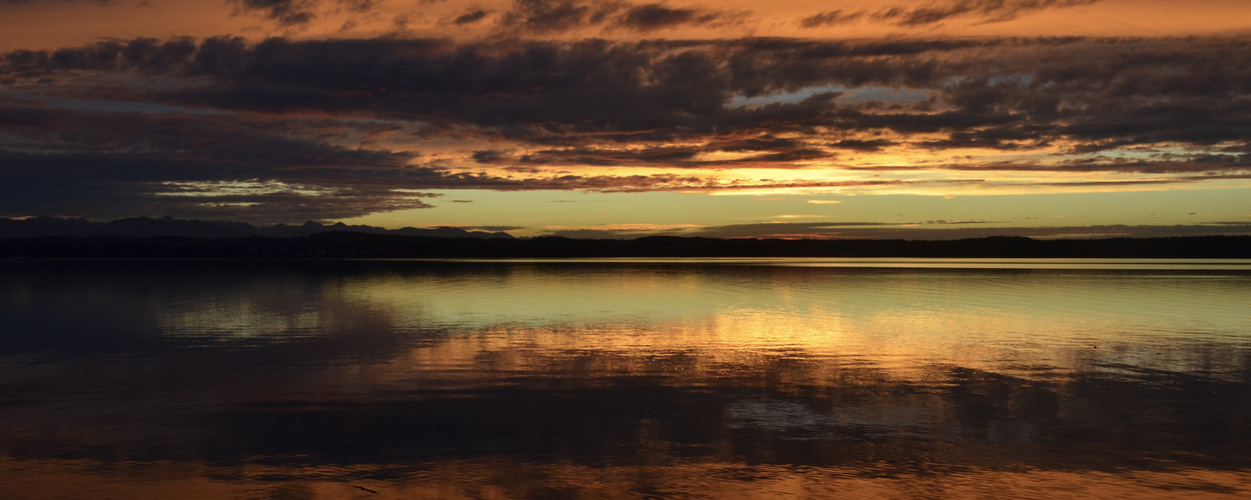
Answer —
(344, 244)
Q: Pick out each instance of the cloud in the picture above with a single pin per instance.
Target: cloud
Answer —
(285, 12)
(299, 113)
(987, 11)
(863, 145)
(296, 13)
(471, 16)
(586, 92)
(768, 152)
(937, 12)
(22, 2)
(88, 163)
(104, 164)
(551, 16)
(830, 18)
(490, 156)
(654, 16)
(358, 5)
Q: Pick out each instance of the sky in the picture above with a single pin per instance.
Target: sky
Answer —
(928, 119)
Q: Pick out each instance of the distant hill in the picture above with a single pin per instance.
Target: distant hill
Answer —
(343, 244)
(144, 227)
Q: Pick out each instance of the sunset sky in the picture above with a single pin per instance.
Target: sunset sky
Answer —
(830, 118)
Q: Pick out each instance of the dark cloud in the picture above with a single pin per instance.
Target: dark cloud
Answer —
(655, 16)
(552, 15)
(490, 156)
(863, 145)
(358, 5)
(74, 162)
(765, 142)
(672, 155)
(233, 110)
(1003, 94)
(532, 89)
(285, 12)
(472, 16)
(830, 18)
(982, 11)
(986, 11)
(547, 16)
(769, 152)
(106, 164)
(23, 2)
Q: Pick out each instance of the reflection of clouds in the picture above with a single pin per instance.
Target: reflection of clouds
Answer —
(239, 318)
(645, 319)
(395, 371)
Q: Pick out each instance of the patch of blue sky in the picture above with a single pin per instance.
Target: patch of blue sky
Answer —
(1021, 78)
(783, 97)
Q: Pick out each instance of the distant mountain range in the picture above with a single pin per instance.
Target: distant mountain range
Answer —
(144, 227)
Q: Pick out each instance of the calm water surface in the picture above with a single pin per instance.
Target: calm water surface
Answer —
(721, 378)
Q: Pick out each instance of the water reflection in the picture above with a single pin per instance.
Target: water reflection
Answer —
(740, 379)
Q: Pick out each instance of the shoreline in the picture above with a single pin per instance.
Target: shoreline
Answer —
(350, 245)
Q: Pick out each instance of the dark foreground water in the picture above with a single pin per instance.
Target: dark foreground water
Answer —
(673, 379)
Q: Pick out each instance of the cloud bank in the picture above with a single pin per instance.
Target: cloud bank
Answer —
(281, 129)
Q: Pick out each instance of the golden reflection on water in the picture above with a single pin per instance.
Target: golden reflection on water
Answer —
(505, 478)
(530, 318)
(506, 380)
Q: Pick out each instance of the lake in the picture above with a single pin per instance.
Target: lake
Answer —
(625, 378)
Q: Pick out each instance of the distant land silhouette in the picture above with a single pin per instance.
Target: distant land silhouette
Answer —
(144, 227)
(170, 238)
